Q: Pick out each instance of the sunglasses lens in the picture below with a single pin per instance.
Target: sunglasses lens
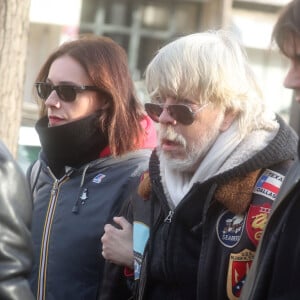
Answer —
(181, 114)
(43, 90)
(66, 93)
(178, 112)
(153, 111)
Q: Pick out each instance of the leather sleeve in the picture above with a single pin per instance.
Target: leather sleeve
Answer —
(15, 240)
(115, 284)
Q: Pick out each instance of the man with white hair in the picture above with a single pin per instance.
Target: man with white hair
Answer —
(201, 208)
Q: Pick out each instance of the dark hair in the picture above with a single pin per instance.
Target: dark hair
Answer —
(105, 62)
(287, 27)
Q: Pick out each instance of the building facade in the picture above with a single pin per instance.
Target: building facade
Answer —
(143, 26)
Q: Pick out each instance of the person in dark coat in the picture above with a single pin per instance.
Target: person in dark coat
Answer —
(15, 239)
(222, 156)
(96, 140)
(275, 273)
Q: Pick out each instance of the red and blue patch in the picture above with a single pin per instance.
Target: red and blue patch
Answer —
(98, 178)
(268, 184)
(239, 265)
(230, 228)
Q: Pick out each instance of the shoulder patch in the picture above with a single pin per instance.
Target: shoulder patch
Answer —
(230, 228)
(98, 178)
(268, 184)
(256, 221)
(144, 188)
(239, 265)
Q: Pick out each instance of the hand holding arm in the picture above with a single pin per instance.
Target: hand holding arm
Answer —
(117, 244)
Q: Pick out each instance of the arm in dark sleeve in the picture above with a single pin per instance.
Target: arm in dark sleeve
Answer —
(116, 286)
(15, 238)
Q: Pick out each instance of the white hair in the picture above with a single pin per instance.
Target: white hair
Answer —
(210, 67)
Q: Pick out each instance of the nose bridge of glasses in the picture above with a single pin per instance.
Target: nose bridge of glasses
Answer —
(64, 93)
(181, 112)
(166, 114)
(50, 92)
(52, 98)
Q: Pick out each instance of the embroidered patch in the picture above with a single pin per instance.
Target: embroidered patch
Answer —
(256, 221)
(239, 265)
(140, 238)
(230, 228)
(98, 178)
(269, 184)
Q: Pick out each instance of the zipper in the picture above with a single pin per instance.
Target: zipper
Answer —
(46, 233)
(168, 218)
(41, 292)
(142, 282)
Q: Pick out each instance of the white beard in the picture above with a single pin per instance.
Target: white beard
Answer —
(194, 152)
(215, 149)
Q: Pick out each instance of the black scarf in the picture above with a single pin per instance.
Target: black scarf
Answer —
(72, 144)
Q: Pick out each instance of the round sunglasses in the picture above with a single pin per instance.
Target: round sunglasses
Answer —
(66, 93)
(179, 112)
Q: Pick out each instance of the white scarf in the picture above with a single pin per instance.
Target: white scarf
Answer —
(225, 153)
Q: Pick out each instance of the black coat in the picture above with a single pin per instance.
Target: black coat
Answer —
(205, 246)
(192, 252)
(276, 270)
(15, 240)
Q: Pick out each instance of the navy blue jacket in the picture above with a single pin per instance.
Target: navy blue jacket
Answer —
(68, 220)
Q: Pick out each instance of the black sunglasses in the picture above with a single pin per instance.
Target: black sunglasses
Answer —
(180, 112)
(66, 93)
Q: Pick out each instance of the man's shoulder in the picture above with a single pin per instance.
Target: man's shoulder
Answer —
(4, 153)
(292, 177)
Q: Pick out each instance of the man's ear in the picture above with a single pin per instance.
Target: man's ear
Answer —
(228, 119)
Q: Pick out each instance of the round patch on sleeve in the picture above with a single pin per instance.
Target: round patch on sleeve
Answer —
(230, 228)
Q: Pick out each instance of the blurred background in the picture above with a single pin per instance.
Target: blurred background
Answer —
(142, 27)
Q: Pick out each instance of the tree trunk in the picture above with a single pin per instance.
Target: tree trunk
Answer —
(14, 26)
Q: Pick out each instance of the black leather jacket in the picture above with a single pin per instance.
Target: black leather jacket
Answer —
(15, 240)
